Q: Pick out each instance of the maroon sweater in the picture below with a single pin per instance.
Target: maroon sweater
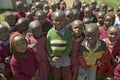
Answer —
(25, 67)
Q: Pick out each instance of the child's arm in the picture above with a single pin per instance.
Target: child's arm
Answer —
(49, 51)
(17, 73)
(69, 44)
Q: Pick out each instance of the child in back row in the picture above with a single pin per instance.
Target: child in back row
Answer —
(91, 49)
(59, 44)
(20, 10)
(109, 19)
(46, 24)
(36, 40)
(9, 19)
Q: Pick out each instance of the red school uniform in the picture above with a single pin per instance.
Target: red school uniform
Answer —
(41, 54)
(74, 58)
(4, 53)
(24, 68)
(106, 64)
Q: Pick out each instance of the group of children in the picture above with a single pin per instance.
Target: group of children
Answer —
(50, 41)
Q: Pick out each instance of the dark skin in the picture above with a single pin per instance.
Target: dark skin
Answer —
(69, 14)
(118, 10)
(40, 16)
(113, 33)
(110, 9)
(87, 12)
(46, 8)
(76, 27)
(35, 28)
(20, 6)
(9, 18)
(4, 32)
(57, 5)
(76, 5)
(86, 20)
(91, 34)
(39, 5)
(29, 16)
(76, 14)
(93, 4)
(22, 25)
(58, 18)
(103, 6)
(53, 6)
(85, 4)
(108, 21)
(100, 17)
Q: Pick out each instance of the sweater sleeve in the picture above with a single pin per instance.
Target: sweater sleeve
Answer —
(18, 73)
(48, 46)
(69, 44)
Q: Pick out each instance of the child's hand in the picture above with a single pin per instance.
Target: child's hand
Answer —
(7, 59)
(55, 59)
(117, 59)
(32, 46)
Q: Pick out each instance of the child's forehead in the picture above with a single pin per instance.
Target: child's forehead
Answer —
(22, 20)
(87, 9)
(68, 11)
(40, 13)
(113, 29)
(76, 23)
(101, 13)
(18, 38)
(58, 14)
(34, 24)
(92, 27)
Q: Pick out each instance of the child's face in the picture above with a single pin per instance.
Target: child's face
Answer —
(113, 34)
(59, 22)
(103, 7)
(100, 17)
(10, 19)
(37, 32)
(22, 25)
(41, 18)
(110, 9)
(46, 7)
(91, 35)
(93, 4)
(20, 6)
(53, 6)
(87, 12)
(29, 16)
(86, 20)
(108, 21)
(76, 28)
(70, 16)
(76, 5)
(118, 11)
(20, 44)
(4, 33)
